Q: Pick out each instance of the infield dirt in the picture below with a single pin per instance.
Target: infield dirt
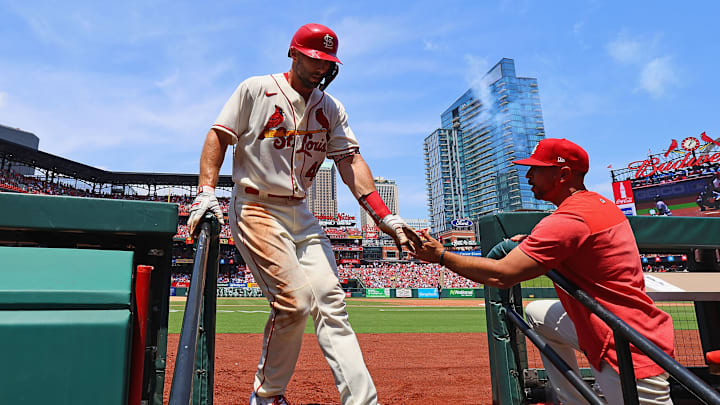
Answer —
(426, 368)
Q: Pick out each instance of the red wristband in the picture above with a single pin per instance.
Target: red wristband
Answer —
(375, 206)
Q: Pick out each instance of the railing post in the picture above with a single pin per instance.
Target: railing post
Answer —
(193, 365)
(205, 356)
(627, 371)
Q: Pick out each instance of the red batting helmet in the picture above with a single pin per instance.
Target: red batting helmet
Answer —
(316, 41)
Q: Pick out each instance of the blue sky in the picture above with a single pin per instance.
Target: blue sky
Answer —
(134, 86)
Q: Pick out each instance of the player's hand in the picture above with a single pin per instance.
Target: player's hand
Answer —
(519, 237)
(204, 201)
(396, 227)
(430, 250)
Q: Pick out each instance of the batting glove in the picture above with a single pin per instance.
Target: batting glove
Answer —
(396, 227)
(204, 201)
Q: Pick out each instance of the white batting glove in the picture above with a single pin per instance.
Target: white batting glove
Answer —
(396, 227)
(204, 201)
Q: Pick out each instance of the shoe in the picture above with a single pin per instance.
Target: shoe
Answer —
(276, 400)
(713, 361)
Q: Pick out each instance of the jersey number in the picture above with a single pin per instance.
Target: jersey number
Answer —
(312, 171)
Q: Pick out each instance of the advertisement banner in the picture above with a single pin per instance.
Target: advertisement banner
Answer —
(222, 284)
(427, 293)
(238, 292)
(461, 293)
(671, 190)
(403, 293)
(628, 209)
(622, 192)
(476, 253)
(238, 285)
(185, 284)
(377, 292)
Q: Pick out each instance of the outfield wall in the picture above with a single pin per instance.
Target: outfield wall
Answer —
(528, 292)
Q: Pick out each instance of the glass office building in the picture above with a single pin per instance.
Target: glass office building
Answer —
(468, 161)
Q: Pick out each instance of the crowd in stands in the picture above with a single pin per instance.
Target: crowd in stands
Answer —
(677, 175)
(401, 275)
(240, 276)
(405, 275)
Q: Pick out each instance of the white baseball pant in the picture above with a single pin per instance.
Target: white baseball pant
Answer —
(294, 265)
(549, 319)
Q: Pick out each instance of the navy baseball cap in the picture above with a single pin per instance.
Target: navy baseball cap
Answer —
(557, 152)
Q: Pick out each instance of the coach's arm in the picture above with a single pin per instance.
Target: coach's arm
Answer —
(502, 273)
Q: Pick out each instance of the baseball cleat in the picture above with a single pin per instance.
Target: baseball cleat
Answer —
(274, 400)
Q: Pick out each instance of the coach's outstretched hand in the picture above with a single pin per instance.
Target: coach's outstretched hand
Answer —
(400, 231)
(204, 201)
(428, 251)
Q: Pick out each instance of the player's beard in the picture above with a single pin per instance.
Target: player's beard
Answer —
(305, 76)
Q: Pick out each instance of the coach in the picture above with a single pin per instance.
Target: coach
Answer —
(589, 240)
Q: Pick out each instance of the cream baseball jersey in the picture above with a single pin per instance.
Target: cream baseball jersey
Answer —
(282, 140)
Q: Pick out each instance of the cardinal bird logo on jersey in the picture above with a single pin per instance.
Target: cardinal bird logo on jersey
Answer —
(321, 118)
(323, 121)
(274, 121)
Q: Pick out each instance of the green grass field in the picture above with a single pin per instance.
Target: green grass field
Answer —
(248, 315)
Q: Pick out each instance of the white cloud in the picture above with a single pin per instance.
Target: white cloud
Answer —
(431, 46)
(658, 75)
(625, 50)
(657, 72)
(3, 99)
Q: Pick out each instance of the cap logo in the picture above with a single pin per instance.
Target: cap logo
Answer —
(534, 149)
(561, 160)
(328, 41)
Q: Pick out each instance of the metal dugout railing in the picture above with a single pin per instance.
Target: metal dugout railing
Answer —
(193, 378)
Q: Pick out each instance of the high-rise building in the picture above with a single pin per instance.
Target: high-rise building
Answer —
(389, 193)
(468, 161)
(322, 198)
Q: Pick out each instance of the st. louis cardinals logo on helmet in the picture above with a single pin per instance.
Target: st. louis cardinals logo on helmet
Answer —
(274, 122)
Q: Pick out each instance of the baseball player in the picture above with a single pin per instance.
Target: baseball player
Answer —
(284, 125)
(662, 208)
(589, 241)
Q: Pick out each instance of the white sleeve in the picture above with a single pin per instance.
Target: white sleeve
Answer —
(235, 115)
(342, 138)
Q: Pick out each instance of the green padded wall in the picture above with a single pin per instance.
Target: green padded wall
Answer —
(64, 325)
(53, 278)
(64, 357)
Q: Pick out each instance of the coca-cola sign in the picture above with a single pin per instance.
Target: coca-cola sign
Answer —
(622, 191)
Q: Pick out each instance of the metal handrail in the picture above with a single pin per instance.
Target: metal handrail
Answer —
(624, 334)
(181, 392)
(569, 374)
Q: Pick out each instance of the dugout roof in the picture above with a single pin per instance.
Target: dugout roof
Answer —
(41, 160)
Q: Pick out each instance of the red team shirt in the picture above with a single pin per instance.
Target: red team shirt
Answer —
(590, 242)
